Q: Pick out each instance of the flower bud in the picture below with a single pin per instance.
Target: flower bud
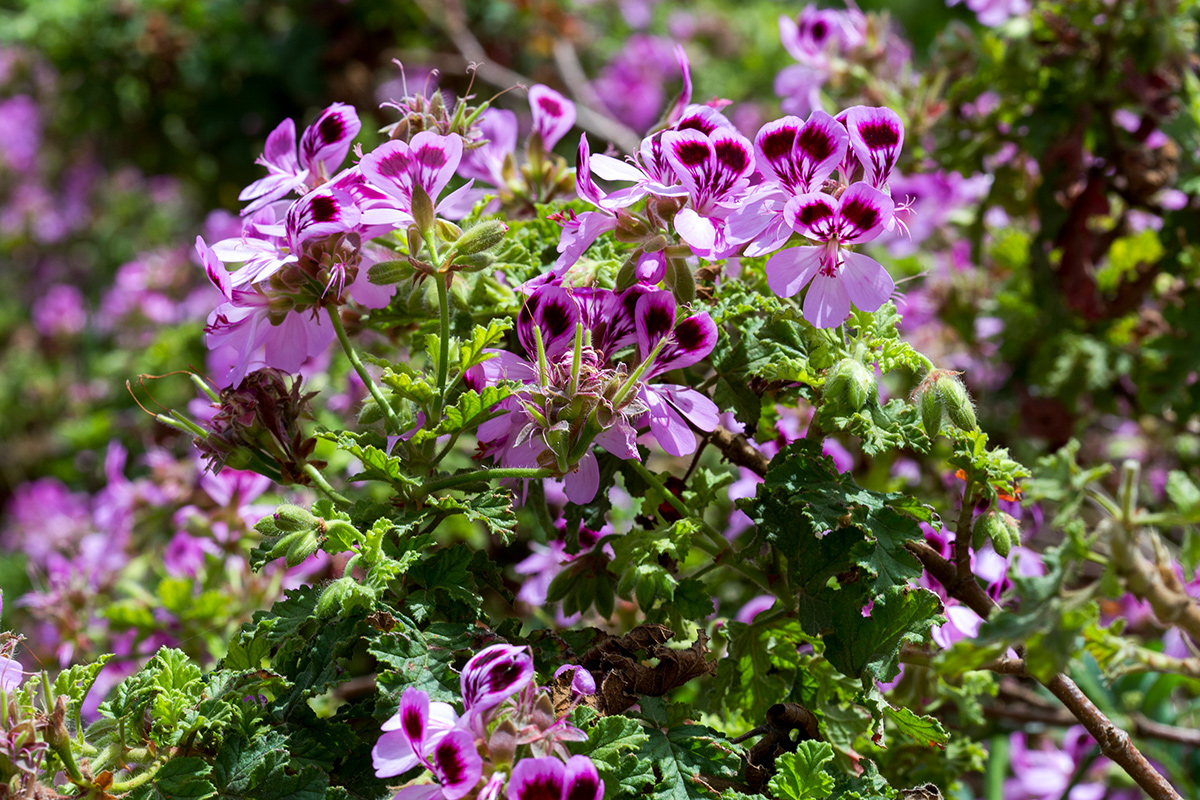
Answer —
(289, 519)
(1001, 528)
(931, 411)
(850, 383)
(296, 547)
(473, 262)
(422, 208)
(385, 273)
(957, 402)
(482, 237)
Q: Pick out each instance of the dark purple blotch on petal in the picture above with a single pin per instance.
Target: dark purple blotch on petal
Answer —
(555, 320)
(542, 787)
(331, 129)
(858, 212)
(550, 106)
(815, 143)
(732, 155)
(658, 321)
(414, 725)
(504, 676)
(394, 165)
(777, 144)
(879, 135)
(431, 157)
(814, 212)
(692, 153)
(691, 334)
(450, 761)
(324, 208)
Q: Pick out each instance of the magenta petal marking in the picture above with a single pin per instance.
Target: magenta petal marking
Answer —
(669, 428)
(654, 318)
(457, 764)
(583, 780)
(690, 342)
(537, 779)
(553, 114)
(494, 674)
(325, 143)
(554, 312)
(863, 214)
(876, 136)
(813, 215)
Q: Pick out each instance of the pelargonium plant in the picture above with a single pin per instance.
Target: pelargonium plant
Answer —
(667, 398)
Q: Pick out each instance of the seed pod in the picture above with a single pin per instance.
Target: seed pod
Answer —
(850, 383)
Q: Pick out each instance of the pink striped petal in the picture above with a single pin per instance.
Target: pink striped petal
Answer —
(876, 136)
(553, 114)
(867, 283)
(654, 318)
(863, 213)
(495, 674)
(813, 215)
(325, 143)
(827, 303)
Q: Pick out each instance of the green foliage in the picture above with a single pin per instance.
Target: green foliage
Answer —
(801, 775)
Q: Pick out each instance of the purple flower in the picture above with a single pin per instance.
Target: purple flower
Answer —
(429, 160)
(715, 169)
(993, 13)
(840, 278)
(582, 681)
(493, 675)
(323, 148)
(20, 133)
(876, 138)
(416, 728)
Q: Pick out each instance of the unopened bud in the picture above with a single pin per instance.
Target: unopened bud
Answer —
(289, 519)
(851, 383)
(1001, 528)
(482, 237)
(422, 208)
(630, 228)
(959, 407)
(474, 262)
(386, 273)
(931, 410)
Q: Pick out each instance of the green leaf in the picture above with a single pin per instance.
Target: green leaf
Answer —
(420, 659)
(76, 682)
(377, 465)
(612, 745)
(925, 729)
(761, 666)
(184, 779)
(260, 769)
(801, 775)
(681, 757)
(870, 646)
(493, 508)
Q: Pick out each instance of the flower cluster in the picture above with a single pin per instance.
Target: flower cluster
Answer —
(576, 390)
(718, 194)
(509, 742)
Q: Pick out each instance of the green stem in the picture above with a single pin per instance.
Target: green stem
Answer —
(319, 481)
(714, 544)
(137, 780)
(498, 473)
(360, 368)
(444, 342)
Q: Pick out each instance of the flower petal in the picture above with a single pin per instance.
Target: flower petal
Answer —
(813, 214)
(325, 143)
(863, 214)
(790, 270)
(826, 305)
(876, 136)
(494, 674)
(581, 483)
(553, 114)
(537, 779)
(554, 312)
(691, 340)
(457, 764)
(582, 780)
(654, 317)
(434, 160)
(867, 283)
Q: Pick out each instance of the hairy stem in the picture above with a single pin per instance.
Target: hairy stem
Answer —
(319, 481)
(498, 473)
(361, 369)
